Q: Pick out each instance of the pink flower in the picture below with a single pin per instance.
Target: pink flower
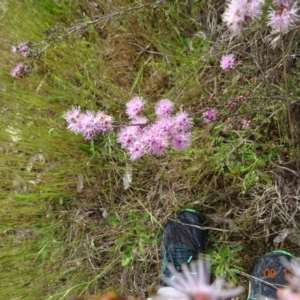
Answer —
(135, 107)
(86, 125)
(234, 16)
(157, 145)
(141, 138)
(254, 9)
(182, 121)
(283, 18)
(23, 49)
(164, 108)
(21, 71)
(154, 140)
(136, 151)
(139, 120)
(142, 121)
(89, 124)
(285, 3)
(231, 105)
(194, 280)
(228, 62)
(246, 122)
(181, 141)
(164, 126)
(72, 118)
(103, 123)
(210, 115)
(239, 13)
(127, 136)
(72, 115)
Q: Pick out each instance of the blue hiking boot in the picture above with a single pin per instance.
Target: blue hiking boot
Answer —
(269, 274)
(183, 240)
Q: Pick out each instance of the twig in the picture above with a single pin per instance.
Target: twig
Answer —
(288, 104)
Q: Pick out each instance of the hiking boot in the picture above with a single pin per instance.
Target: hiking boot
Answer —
(269, 274)
(183, 240)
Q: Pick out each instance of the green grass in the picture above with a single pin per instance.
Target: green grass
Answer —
(60, 239)
(225, 259)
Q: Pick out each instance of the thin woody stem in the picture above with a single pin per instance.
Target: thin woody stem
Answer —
(287, 99)
(84, 25)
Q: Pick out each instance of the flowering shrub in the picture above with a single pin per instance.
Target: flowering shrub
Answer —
(140, 136)
(89, 124)
(240, 13)
(155, 138)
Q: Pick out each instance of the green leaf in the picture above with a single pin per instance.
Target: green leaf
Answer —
(264, 177)
(113, 221)
(125, 261)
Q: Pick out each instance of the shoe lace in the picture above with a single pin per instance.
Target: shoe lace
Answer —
(179, 256)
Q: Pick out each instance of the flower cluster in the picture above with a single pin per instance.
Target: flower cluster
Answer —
(239, 13)
(285, 16)
(142, 137)
(210, 115)
(231, 105)
(194, 282)
(89, 124)
(246, 122)
(23, 49)
(21, 70)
